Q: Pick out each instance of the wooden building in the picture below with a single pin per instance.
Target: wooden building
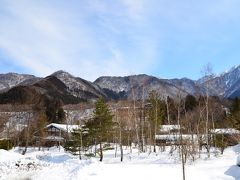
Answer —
(57, 134)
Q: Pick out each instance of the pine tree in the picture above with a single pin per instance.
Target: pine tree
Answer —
(100, 127)
(77, 142)
(235, 113)
(190, 102)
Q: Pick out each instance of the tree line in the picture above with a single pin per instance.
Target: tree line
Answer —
(136, 123)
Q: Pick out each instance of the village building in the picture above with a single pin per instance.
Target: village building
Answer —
(170, 135)
(57, 134)
(231, 136)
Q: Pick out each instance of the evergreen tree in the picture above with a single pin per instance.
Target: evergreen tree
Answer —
(190, 102)
(100, 127)
(77, 142)
(55, 112)
(235, 106)
(235, 113)
(61, 117)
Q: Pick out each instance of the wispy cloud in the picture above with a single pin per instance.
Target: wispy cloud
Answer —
(90, 38)
(87, 38)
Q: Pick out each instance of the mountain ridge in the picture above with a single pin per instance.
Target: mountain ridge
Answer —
(226, 85)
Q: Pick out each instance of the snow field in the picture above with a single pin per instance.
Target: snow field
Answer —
(57, 164)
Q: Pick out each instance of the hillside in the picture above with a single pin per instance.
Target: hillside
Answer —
(22, 88)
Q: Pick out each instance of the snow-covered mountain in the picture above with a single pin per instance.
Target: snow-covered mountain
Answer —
(226, 85)
(187, 85)
(77, 86)
(138, 86)
(10, 80)
(234, 90)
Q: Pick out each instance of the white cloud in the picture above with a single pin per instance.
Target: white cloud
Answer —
(88, 39)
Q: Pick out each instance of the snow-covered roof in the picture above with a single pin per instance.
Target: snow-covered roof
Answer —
(64, 127)
(54, 138)
(175, 137)
(167, 128)
(225, 131)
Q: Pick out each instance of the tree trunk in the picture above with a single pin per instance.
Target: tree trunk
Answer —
(81, 145)
(155, 128)
(79, 151)
(101, 152)
(95, 147)
(207, 121)
(27, 136)
(183, 161)
(135, 121)
(142, 122)
(121, 148)
(116, 148)
(150, 135)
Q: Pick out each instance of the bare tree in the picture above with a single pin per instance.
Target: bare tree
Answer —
(182, 148)
(27, 132)
(135, 117)
(155, 115)
(207, 71)
(142, 120)
(120, 128)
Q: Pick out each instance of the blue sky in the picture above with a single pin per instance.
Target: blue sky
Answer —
(92, 38)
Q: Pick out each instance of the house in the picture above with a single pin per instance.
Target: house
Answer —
(170, 134)
(176, 139)
(231, 136)
(57, 134)
(230, 131)
(166, 129)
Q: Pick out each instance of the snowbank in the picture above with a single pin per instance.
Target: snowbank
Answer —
(238, 161)
(57, 164)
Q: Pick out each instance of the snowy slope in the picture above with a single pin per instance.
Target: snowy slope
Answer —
(57, 164)
(225, 84)
(77, 86)
(187, 85)
(10, 80)
(138, 86)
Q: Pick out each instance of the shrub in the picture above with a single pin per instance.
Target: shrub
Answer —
(6, 144)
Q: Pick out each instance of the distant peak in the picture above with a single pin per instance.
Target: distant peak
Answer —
(142, 75)
(185, 79)
(13, 74)
(234, 68)
(61, 73)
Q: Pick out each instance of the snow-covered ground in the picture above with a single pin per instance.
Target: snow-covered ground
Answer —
(57, 164)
